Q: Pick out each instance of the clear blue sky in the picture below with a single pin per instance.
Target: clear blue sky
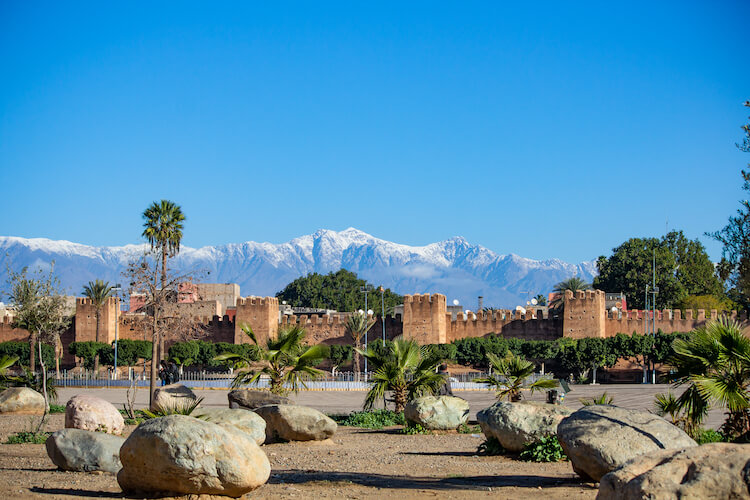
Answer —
(552, 129)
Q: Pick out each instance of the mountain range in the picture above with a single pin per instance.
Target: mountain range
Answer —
(453, 267)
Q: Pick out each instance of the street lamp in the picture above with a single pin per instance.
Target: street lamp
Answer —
(365, 289)
(116, 289)
(382, 311)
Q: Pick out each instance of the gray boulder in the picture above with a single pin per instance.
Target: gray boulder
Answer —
(21, 401)
(715, 470)
(186, 455)
(172, 395)
(248, 422)
(437, 412)
(85, 451)
(295, 423)
(515, 424)
(599, 439)
(250, 399)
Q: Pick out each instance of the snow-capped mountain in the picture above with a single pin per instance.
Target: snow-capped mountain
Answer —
(453, 267)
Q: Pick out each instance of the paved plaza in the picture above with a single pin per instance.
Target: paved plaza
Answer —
(635, 396)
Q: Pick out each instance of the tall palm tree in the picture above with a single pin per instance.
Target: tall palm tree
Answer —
(98, 292)
(357, 325)
(163, 230)
(573, 284)
(511, 377)
(405, 369)
(715, 361)
(284, 360)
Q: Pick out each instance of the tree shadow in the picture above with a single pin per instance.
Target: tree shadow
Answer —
(77, 492)
(475, 483)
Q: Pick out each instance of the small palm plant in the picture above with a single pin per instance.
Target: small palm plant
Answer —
(512, 373)
(406, 369)
(668, 404)
(285, 361)
(602, 399)
(715, 361)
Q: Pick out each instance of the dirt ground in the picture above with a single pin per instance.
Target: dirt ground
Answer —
(356, 463)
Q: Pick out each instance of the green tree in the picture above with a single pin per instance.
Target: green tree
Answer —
(734, 267)
(511, 377)
(405, 369)
(682, 268)
(41, 310)
(715, 361)
(357, 325)
(98, 292)
(284, 361)
(339, 291)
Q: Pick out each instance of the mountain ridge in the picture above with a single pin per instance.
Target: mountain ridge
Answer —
(453, 266)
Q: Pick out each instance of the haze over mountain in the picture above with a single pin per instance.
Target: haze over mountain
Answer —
(453, 267)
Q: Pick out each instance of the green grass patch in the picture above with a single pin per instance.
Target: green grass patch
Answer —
(28, 437)
(469, 429)
(373, 419)
(704, 436)
(412, 428)
(57, 408)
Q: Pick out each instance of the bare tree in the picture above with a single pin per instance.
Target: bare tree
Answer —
(163, 317)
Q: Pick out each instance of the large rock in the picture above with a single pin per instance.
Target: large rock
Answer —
(21, 401)
(598, 439)
(516, 424)
(251, 399)
(716, 470)
(86, 451)
(248, 422)
(93, 414)
(182, 454)
(295, 423)
(437, 412)
(172, 395)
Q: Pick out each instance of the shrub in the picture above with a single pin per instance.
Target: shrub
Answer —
(490, 447)
(412, 428)
(547, 449)
(28, 437)
(703, 436)
(21, 349)
(603, 399)
(373, 419)
(57, 408)
(340, 354)
(469, 429)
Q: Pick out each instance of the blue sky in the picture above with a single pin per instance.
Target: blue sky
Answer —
(552, 129)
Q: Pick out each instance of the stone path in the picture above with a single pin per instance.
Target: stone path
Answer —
(635, 396)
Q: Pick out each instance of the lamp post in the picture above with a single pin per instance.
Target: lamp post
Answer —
(382, 310)
(117, 288)
(365, 289)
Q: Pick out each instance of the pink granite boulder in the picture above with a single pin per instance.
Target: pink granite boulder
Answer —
(93, 414)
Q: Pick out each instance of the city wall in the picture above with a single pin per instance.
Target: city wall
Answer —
(425, 319)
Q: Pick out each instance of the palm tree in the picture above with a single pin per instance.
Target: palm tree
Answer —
(512, 372)
(404, 368)
(573, 284)
(285, 360)
(715, 361)
(669, 404)
(163, 230)
(98, 292)
(357, 325)
(541, 300)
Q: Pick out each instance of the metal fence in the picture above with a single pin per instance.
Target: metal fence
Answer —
(346, 381)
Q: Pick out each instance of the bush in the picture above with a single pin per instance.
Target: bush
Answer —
(373, 419)
(547, 449)
(57, 408)
(469, 429)
(28, 437)
(22, 349)
(490, 447)
(703, 436)
(340, 354)
(88, 351)
(412, 428)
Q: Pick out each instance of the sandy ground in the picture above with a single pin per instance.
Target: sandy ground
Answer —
(356, 463)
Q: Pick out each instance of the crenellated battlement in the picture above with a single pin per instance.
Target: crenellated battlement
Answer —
(258, 301)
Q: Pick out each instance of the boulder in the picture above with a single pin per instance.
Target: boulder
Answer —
(295, 423)
(437, 412)
(185, 455)
(93, 414)
(84, 451)
(21, 401)
(600, 438)
(516, 424)
(248, 422)
(251, 399)
(715, 470)
(172, 395)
